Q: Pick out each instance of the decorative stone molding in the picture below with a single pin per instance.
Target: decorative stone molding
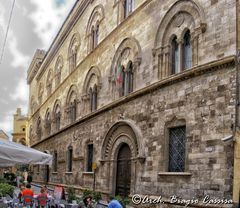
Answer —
(35, 64)
(182, 15)
(132, 136)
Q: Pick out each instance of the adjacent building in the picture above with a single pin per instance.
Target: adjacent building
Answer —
(148, 92)
(19, 128)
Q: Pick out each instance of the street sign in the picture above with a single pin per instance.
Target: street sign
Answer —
(94, 166)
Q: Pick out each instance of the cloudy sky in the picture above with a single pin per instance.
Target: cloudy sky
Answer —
(34, 24)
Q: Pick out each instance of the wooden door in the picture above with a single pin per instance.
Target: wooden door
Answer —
(123, 180)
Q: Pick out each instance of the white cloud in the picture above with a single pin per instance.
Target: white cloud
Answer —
(7, 122)
(19, 59)
(21, 91)
(48, 17)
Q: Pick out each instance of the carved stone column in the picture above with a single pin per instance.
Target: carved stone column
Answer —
(195, 54)
(180, 54)
(136, 67)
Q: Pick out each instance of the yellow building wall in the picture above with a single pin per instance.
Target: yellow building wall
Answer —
(19, 128)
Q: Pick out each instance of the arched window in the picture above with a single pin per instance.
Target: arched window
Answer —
(33, 105)
(96, 34)
(73, 111)
(71, 104)
(125, 79)
(93, 27)
(93, 98)
(48, 123)
(175, 56)
(92, 85)
(40, 93)
(39, 128)
(58, 71)
(125, 65)
(72, 52)
(187, 51)
(92, 38)
(69, 159)
(57, 117)
(49, 83)
(128, 7)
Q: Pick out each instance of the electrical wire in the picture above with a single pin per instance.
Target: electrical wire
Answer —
(5, 39)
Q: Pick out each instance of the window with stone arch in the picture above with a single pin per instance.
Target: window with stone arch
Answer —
(73, 52)
(49, 82)
(57, 115)
(125, 65)
(124, 8)
(177, 40)
(175, 55)
(48, 122)
(71, 103)
(91, 88)
(33, 105)
(93, 27)
(40, 93)
(58, 70)
(39, 128)
(128, 6)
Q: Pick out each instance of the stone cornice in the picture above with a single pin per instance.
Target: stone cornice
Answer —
(195, 71)
(35, 64)
(62, 34)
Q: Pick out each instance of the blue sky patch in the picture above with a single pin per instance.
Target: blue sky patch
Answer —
(60, 2)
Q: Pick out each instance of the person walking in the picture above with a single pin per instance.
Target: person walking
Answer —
(20, 195)
(27, 195)
(42, 198)
(114, 203)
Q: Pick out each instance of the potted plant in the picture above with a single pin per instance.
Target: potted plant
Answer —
(71, 194)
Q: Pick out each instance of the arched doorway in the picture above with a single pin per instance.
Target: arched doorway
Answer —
(123, 178)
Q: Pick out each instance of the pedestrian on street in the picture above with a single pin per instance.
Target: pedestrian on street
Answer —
(27, 195)
(42, 198)
(20, 195)
(114, 203)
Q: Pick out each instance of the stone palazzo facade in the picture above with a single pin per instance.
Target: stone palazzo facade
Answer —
(146, 90)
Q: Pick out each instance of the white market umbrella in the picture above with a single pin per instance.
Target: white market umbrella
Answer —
(12, 153)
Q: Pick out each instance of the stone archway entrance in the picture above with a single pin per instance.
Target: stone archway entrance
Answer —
(123, 178)
(122, 156)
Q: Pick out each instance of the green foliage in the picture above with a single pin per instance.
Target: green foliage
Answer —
(87, 192)
(71, 194)
(6, 189)
(95, 195)
(124, 201)
(10, 178)
(3, 180)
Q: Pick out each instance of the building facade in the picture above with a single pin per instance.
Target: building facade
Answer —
(19, 128)
(145, 89)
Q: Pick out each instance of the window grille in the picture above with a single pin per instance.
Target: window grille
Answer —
(177, 140)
